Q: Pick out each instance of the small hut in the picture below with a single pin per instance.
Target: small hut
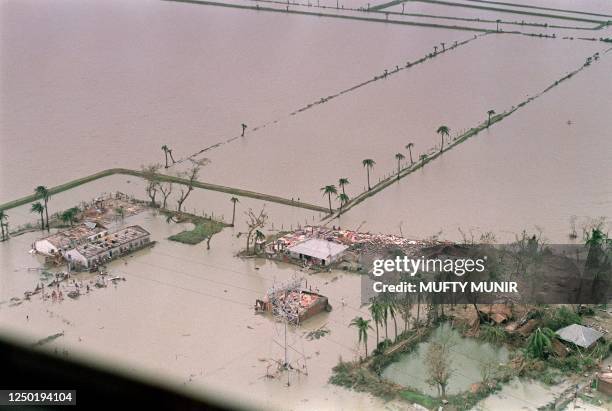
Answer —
(579, 335)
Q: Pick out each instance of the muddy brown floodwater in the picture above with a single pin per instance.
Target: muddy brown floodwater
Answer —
(92, 85)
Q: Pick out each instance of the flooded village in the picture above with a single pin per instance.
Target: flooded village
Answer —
(214, 222)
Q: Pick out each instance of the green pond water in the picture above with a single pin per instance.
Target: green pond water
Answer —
(466, 356)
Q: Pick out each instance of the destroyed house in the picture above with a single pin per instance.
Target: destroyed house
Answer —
(62, 241)
(109, 247)
(317, 251)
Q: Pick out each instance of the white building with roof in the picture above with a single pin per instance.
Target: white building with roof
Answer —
(109, 247)
(65, 240)
(318, 251)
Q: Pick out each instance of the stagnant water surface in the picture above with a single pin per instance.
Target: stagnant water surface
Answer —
(466, 356)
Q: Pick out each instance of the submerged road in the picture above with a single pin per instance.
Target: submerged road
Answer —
(165, 178)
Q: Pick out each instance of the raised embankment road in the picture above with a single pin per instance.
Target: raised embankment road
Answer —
(163, 178)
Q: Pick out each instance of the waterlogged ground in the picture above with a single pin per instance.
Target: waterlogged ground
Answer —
(93, 85)
(531, 171)
(316, 147)
(466, 356)
(185, 316)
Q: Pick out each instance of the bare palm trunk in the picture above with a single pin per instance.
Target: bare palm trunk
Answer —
(171, 157)
(368, 171)
(398, 169)
(47, 213)
(410, 152)
(441, 143)
(166, 154)
(330, 207)
(234, 214)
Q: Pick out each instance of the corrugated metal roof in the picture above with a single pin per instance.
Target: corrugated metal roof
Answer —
(579, 335)
(317, 248)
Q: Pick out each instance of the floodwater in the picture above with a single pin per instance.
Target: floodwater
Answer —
(472, 13)
(92, 85)
(98, 84)
(521, 394)
(536, 169)
(140, 326)
(466, 356)
(316, 147)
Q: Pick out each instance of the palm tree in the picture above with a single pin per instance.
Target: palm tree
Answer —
(368, 163)
(69, 215)
(399, 157)
(343, 181)
(392, 307)
(443, 46)
(244, 126)
(435, 49)
(328, 191)
(409, 148)
(165, 150)
(377, 316)
(497, 21)
(259, 236)
(3, 218)
(43, 193)
(362, 328)
(171, 157)
(443, 131)
(37, 207)
(234, 200)
(343, 200)
(490, 113)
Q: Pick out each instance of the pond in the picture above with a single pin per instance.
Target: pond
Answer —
(466, 357)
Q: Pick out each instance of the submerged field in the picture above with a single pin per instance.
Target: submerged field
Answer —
(94, 85)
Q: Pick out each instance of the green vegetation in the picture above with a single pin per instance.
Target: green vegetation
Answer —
(560, 317)
(204, 229)
(421, 399)
(362, 328)
(328, 191)
(492, 334)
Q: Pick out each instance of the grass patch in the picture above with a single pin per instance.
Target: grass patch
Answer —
(203, 229)
(421, 399)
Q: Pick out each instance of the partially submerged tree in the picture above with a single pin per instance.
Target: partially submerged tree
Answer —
(362, 328)
(409, 148)
(151, 176)
(165, 188)
(43, 193)
(191, 176)
(368, 163)
(438, 361)
(343, 181)
(234, 200)
(255, 221)
(343, 198)
(4, 224)
(490, 113)
(69, 215)
(165, 150)
(442, 131)
(259, 238)
(376, 310)
(399, 157)
(328, 191)
(38, 208)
